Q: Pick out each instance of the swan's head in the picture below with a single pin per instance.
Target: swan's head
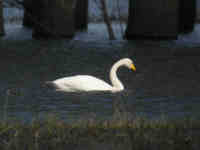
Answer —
(128, 63)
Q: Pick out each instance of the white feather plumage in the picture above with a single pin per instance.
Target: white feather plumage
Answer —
(86, 83)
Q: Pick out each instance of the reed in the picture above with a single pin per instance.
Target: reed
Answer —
(135, 134)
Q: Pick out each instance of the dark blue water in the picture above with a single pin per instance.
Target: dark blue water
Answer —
(163, 85)
(30, 103)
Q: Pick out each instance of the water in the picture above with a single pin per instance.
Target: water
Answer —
(162, 85)
(156, 89)
(30, 103)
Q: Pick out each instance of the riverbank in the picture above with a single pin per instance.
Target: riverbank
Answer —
(131, 134)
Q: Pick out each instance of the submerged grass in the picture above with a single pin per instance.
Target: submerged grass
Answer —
(134, 134)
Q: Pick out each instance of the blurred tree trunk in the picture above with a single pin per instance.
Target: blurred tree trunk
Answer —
(81, 15)
(130, 19)
(107, 20)
(153, 19)
(187, 15)
(28, 13)
(54, 19)
(1, 19)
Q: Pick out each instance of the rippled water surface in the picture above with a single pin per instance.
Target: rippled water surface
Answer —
(164, 84)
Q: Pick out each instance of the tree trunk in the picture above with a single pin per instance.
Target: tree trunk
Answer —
(1, 19)
(54, 19)
(187, 15)
(81, 15)
(153, 19)
(130, 19)
(107, 20)
(28, 13)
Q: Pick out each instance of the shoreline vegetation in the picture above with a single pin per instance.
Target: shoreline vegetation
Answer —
(132, 134)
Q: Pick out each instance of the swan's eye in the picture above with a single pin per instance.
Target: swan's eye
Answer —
(133, 67)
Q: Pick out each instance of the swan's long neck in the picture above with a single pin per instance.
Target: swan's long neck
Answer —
(116, 83)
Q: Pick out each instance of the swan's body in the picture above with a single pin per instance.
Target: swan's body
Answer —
(82, 83)
(88, 83)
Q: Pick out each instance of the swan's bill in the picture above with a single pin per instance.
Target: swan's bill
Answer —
(133, 67)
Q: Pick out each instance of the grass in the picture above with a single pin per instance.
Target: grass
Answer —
(134, 134)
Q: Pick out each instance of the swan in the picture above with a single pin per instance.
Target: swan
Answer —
(87, 83)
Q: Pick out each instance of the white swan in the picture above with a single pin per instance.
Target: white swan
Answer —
(86, 83)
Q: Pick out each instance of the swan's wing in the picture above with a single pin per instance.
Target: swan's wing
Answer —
(82, 83)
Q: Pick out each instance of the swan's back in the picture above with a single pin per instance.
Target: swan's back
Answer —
(82, 83)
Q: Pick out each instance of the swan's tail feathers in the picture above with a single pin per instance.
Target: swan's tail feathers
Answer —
(50, 85)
